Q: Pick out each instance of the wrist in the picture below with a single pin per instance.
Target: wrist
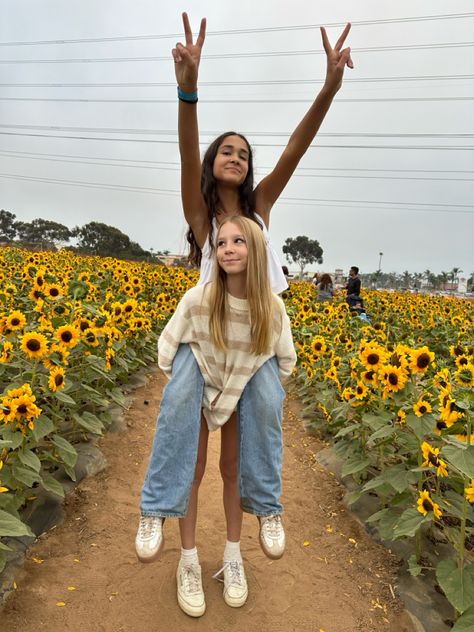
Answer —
(187, 95)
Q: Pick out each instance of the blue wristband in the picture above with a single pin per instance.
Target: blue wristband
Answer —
(187, 97)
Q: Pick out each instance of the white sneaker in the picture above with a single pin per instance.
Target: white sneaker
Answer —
(190, 592)
(149, 540)
(272, 536)
(235, 583)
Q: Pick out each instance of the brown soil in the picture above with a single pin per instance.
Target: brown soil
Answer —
(332, 578)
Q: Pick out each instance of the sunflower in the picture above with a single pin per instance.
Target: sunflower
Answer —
(34, 345)
(393, 378)
(442, 379)
(422, 407)
(431, 459)
(426, 505)
(361, 390)
(372, 357)
(90, 337)
(16, 320)
(469, 492)
(465, 375)
(56, 380)
(421, 359)
(68, 335)
(7, 352)
(318, 345)
(23, 407)
(401, 417)
(52, 290)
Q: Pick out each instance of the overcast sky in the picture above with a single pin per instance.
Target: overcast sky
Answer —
(390, 171)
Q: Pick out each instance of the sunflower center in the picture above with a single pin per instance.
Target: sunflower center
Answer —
(423, 361)
(58, 379)
(373, 358)
(54, 292)
(422, 409)
(33, 344)
(66, 336)
(15, 322)
(427, 505)
(393, 379)
(22, 409)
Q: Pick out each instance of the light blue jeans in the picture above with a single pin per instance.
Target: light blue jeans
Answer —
(168, 482)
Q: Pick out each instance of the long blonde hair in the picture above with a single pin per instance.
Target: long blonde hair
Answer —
(261, 299)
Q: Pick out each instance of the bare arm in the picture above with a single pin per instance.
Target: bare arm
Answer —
(186, 62)
(270, 188)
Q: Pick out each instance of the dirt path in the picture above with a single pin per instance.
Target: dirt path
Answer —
(333, 578)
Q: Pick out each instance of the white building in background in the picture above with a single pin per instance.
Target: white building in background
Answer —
(462, 285)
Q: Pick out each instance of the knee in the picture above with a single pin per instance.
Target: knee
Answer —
(229, 469)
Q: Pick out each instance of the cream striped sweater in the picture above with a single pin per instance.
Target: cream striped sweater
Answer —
(225, 373)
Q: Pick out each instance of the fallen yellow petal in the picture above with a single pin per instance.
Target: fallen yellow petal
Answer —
(76, 560)
(15, 585)
(306, 543)
(329, 529)
(71, 588)
(60, 603)
(352, 541)
(38, 560)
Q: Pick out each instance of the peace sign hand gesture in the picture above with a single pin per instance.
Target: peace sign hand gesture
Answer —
(337, 59)
(186, 58)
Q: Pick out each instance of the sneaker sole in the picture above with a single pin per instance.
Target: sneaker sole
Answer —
(154, 557)
(190, 610)
(268, 553)
(236, 603)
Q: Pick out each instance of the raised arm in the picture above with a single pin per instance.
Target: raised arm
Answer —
(186, 63)
(270, 188)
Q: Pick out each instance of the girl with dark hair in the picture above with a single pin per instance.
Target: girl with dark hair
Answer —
(325, 289)
(219, 188)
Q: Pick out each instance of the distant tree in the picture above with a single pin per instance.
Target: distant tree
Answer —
(302, 251)
(406, 279)
(42, 233)
(443, 279)
(454, 274)
(107, 241)
(7, 226)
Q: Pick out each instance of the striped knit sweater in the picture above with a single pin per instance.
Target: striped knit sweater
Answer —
(225, 373)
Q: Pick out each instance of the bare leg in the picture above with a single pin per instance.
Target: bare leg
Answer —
(229, 463)
(187, 525)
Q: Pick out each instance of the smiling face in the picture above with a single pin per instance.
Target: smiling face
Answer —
(231, 250)
(231, 163)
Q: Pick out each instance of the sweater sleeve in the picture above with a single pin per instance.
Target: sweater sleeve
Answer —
(177, 330)
(284, 347)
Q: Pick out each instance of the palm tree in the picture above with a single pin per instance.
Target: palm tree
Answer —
(443, 277)
(455, 272)
(406, 277)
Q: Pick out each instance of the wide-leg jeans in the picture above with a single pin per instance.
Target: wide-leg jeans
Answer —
(170, 474)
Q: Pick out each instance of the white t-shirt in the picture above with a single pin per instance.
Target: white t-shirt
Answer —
(277, 278)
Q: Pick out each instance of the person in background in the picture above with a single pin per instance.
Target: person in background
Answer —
(325, 289)
(353, 283)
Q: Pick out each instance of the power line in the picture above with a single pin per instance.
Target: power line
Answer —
(213, 133)
(258, 82)
(176, 164)
(455, 208)
(249, 55)
(273, 29)
(263, 100)
(175, 142)
(126, 164)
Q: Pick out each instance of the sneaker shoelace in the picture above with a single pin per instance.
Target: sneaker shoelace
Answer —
(191, 578)
(148, 527)
(235, 568)
(272, 527)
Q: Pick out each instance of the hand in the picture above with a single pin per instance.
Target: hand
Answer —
(186, 58)
(337, 59)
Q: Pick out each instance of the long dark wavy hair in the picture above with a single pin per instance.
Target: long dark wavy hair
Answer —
(209, 192)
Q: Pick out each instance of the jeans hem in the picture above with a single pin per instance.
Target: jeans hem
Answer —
(259, 514)
(162, 514)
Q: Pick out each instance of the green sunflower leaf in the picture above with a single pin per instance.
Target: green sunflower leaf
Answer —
(461, 457)
(52, 485)
(11, 526)
(457, 583)
(354, 463)
(465, 623)
(43, 426)
(29, 458)
(409, 523)
(63, 397)
(66, 451)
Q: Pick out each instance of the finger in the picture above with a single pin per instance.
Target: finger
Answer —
(344, 58)
(326, 44)
(175, 54)
(342, 39)
(187, 29)
(202, 33)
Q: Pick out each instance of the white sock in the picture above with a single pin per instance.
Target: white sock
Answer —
(232, 552)
(189, 556)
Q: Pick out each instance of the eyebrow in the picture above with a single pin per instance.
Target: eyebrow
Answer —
(242, 150)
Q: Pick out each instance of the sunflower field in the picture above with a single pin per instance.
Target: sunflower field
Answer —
(395, 393)
(72, 330)
(396, 396)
